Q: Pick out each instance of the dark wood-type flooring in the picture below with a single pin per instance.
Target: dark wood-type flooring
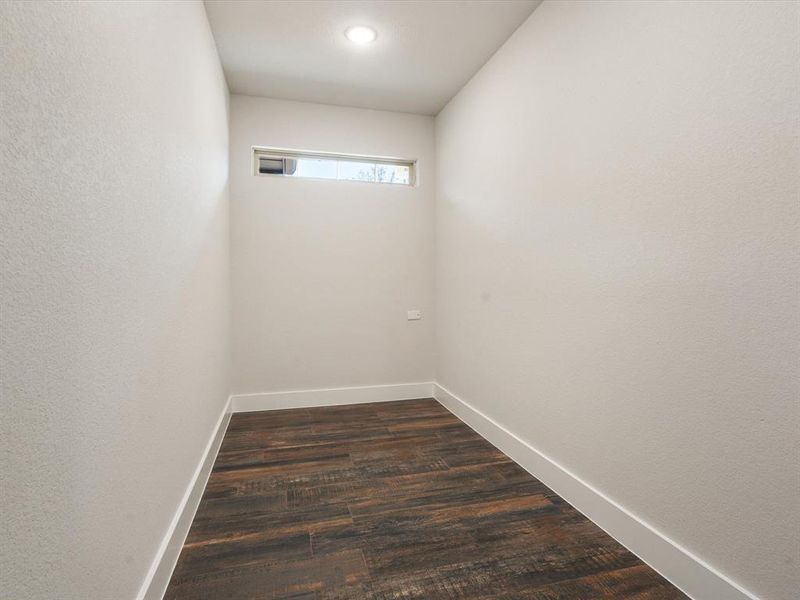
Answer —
(394, 500)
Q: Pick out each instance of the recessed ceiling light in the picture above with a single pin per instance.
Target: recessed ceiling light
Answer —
(360, 34)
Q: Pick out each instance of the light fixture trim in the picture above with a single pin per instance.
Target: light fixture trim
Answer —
(361, 34)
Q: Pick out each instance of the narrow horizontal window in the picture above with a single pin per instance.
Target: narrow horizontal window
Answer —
(341, 167)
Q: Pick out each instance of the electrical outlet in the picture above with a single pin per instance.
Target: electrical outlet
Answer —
(414, 315)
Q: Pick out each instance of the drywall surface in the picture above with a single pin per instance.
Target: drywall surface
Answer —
(113, 132)
(423, 54)
(323, 272)
(617, 263)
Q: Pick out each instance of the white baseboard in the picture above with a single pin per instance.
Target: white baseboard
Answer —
(330, 397)
(157, 579)
(685, 570)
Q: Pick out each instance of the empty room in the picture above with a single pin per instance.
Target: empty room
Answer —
(400, 300)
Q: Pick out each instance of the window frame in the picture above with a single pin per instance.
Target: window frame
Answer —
(280, 153)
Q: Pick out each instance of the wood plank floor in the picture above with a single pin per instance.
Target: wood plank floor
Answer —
(393, 500)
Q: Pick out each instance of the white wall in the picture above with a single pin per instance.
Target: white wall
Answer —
(113, 132)
(617, 249)
(322, 272)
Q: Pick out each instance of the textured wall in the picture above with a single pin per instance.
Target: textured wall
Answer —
(323, 272)
(114, 234)
(617, 241)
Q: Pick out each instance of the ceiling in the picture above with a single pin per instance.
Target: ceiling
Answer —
(425, 52)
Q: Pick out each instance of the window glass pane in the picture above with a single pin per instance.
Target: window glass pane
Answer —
(356, 171)
(326, 165)
(316, 167)
(393, 174)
